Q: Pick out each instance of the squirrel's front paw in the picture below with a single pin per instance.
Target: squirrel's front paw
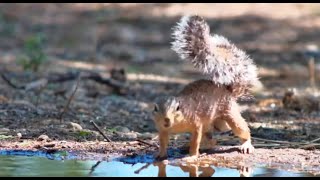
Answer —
(245, 171)
(246, 147)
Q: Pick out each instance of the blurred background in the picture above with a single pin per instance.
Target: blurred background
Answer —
(130, 43)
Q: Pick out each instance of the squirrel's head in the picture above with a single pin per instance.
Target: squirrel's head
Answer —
(166, 112)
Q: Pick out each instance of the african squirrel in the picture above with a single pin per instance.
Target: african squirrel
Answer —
(206, 104)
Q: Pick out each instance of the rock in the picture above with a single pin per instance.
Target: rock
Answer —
(122, 129)
(74, 126)
(43, 137)
(146, 135)
(19, 135)
(64, 131)
(96, 134)
(130, 136)
(23, 102)
(4, 130)
(143, 126)
(40, 112)
(124, 112)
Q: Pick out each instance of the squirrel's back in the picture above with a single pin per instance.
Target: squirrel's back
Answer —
(215, 56)
(203, 98)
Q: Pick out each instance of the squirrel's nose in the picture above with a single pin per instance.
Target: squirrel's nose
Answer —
(167, 122)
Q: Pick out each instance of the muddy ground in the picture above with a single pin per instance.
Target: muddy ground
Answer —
(101, 37)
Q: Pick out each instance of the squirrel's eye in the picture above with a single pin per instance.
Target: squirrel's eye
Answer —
(178, 107)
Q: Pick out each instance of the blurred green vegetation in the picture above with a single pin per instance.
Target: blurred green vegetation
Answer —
(33, 54)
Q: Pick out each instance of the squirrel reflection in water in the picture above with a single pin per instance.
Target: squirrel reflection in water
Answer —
(194, 170)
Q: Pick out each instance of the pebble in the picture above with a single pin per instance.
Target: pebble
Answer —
(122, 129)
(146, 135)
(43, 137)
(4, 130)
(19, 135)
(130, 135)
(74, 126)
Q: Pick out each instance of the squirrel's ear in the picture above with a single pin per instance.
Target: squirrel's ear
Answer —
(156, 108)
(178, 106)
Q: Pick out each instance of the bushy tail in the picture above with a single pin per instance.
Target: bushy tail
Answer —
(214, 55)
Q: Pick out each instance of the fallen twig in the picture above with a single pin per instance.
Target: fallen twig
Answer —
(96, 126)
(94, 167)
(119, 86)
(266, 145)
(144, 142)
(70, 98)
(311, 143)
(307, 146)
(142, 168)
(315, 140)
(276, 141)
(10, 83)
(290, 144)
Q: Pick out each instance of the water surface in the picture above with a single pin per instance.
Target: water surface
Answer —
(25, 163)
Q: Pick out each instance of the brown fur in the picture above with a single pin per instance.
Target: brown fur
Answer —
(198, 109)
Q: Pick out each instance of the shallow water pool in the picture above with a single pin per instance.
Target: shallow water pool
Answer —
(16, 164)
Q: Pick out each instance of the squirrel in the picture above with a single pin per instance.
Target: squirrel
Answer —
(210, 103)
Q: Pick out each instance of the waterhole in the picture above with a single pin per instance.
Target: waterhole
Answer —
(37, 163)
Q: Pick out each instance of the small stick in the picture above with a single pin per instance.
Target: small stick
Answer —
(300, 145)
(142, 168)
(311, 72)
(96, 126)
(144, 142)
(94, 167)
(10, 83)
(266, 145)
(311, 143)
(315, 140)
(70, 98)
(275, 141)
(56, 78)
